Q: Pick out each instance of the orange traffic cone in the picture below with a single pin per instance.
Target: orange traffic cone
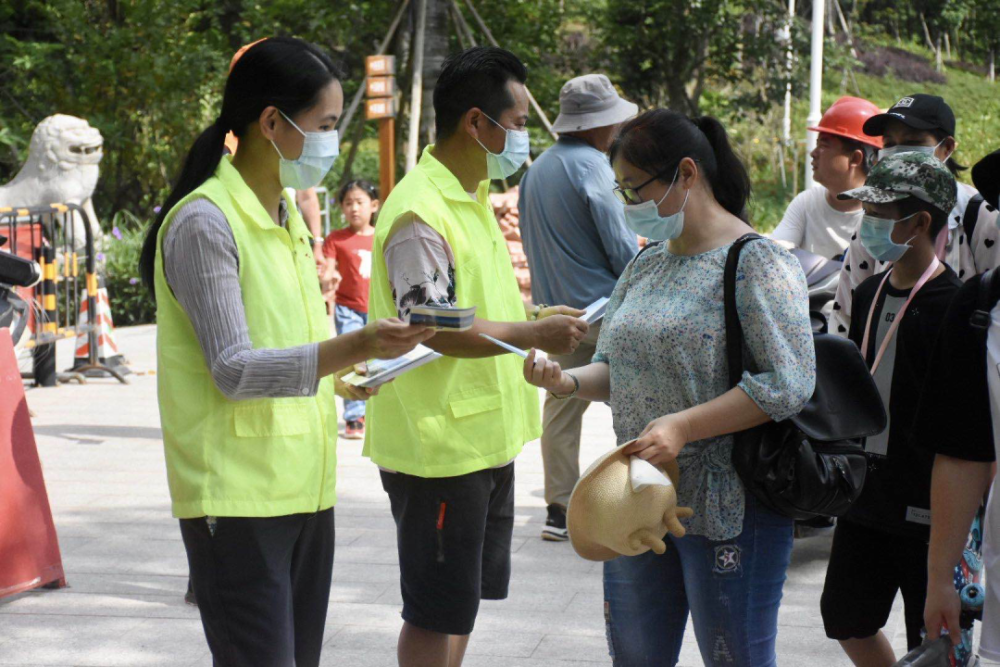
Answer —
(107, 344)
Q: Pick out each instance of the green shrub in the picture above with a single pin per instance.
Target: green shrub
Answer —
(131, 302)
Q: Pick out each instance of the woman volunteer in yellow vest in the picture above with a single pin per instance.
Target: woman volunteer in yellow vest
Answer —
(244, 356)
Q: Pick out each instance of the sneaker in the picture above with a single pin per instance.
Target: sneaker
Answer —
(355, 429)
(555, 526)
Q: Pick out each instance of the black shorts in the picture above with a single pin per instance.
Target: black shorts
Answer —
(867, 568)
(453, 535)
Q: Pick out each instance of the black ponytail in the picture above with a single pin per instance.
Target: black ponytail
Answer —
(657, 140)
(282, 72)
(730, 180)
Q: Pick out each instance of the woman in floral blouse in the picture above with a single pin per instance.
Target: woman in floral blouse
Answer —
(661, 365)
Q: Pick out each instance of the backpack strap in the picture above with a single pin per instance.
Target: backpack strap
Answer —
(971, 215)
(734, 331)
(987, 295)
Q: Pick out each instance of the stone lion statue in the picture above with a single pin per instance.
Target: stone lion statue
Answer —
(62, 167)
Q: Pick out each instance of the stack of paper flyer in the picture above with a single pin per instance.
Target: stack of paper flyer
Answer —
(381, 371)
(595, 311)
(443, 318)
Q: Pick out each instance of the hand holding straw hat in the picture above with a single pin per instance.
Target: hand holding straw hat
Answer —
(612, 515)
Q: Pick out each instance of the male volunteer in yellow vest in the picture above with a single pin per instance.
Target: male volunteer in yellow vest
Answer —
(445, 435)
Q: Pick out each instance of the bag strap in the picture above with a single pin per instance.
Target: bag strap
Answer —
(971, 215)
(734, 331)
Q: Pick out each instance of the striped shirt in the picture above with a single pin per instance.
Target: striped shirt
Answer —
(201, 265)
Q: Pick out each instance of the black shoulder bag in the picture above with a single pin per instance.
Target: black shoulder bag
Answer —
(812, 464)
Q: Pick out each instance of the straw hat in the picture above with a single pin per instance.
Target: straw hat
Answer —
(607, 519)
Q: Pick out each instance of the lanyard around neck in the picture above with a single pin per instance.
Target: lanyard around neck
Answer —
(935, 263)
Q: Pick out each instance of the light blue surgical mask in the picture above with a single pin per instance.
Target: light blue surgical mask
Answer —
(319, 151)
(896, 150)
(515, 152)
(876, 237)
(645, 220)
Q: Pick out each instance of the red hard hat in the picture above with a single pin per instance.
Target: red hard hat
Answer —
(846, 117)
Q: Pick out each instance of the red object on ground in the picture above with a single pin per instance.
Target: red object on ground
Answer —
(29, 548)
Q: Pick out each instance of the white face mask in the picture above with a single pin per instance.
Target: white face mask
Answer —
(319, 151)
(896, 150)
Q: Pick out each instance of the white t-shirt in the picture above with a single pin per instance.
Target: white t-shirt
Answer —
(812, 224)
(989, 646)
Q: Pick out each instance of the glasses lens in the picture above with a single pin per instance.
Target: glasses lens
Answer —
(620, 196)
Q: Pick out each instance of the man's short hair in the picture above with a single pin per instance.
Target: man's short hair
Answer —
(912, 205)
(476, 77)
(869, 152)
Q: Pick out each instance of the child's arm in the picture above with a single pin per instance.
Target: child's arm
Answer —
(957, 489)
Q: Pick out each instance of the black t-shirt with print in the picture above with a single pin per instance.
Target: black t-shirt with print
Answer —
(896, 495)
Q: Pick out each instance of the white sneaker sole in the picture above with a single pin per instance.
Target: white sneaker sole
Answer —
(550, 534)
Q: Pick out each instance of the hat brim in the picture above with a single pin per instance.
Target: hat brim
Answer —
(870, 195)
(845, 135)
(875, 126)
(986, 177)
(619, 113)
(578, 509)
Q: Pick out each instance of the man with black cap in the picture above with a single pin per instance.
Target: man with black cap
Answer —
(577, 245)
(925, 124)
(966, 447)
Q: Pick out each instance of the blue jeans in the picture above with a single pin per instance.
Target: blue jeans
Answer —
(347, 320)
(731, 587)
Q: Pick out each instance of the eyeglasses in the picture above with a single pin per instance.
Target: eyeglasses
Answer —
(631, 195)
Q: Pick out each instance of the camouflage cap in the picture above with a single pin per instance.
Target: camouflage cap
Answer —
(908, 175)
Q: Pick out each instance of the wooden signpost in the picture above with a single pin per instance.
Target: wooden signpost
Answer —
(380, 91)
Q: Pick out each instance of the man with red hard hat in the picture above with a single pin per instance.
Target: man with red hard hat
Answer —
(816, 220)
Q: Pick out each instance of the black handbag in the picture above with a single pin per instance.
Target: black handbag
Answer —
(812, 464)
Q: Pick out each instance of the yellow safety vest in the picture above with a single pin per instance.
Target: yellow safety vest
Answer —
(452, 416)
(253, 458)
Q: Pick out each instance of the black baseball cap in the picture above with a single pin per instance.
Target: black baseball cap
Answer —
(986, 177)
(921, 112)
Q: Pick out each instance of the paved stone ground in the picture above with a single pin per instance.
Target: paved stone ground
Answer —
(101, 449)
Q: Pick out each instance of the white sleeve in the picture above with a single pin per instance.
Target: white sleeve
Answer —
(792, 227)
(421, 266)
(984, 242)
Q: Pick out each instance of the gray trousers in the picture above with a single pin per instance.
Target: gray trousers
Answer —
(562, 422)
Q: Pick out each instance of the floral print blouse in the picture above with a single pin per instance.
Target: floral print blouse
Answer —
(664, 340)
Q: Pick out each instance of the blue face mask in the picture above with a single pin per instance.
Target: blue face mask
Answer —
(876, 237)
(515, 152)
(319, 151)
(644, 219)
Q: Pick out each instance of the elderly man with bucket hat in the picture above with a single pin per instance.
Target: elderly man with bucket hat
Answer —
(577, 245)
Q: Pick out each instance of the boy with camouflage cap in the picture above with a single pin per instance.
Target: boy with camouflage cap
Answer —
(880, 547)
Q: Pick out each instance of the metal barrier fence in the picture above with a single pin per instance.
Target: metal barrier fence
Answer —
(47, 234)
